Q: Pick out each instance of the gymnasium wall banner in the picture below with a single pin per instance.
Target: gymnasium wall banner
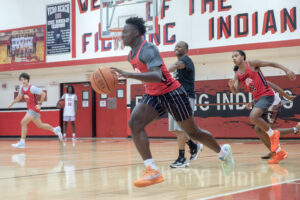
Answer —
(208, 26)
(22, 45)
(58, 29)
(225, 114)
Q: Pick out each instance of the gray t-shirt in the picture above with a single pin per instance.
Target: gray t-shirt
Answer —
(33, 90)
(149, 55)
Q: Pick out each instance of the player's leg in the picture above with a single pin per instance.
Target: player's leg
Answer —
(24, 122)
(256, 117)
(142, 115)
(65, 127)
(179, 107)
(73, 128)
(38, 122)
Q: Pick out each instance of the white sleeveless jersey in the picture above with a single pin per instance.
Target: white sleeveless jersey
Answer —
(69, 109)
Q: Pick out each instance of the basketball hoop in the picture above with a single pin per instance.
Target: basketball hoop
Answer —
(116, 35)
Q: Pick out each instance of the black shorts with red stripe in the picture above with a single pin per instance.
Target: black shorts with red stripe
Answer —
(175, 102)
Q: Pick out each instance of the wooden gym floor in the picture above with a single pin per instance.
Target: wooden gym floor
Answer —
(106, 168)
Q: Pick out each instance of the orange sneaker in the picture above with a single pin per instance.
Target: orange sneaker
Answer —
(150, 177)
(277, 157)
(274, 139)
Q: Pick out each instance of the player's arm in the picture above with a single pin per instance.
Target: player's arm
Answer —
(258, 63)
(177, 65)
(234, 84)
(154, 75)
(150, 56)
(62, 98)
(43, 96)
(17, 99)
(280, 91)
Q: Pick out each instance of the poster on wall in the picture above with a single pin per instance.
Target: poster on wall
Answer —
(58, 29)
(22, 45)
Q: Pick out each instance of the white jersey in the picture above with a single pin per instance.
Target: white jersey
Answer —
(69, 109)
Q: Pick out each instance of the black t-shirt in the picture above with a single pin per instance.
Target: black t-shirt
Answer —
(186, 76)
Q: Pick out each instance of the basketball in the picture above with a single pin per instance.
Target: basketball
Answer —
(61, 104)
(103, 80)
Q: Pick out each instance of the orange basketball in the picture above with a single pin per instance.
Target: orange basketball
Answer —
(103, 80)
(61, 104)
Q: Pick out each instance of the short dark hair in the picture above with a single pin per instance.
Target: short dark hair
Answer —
(70, 86)
(24, 76)
(139, 23)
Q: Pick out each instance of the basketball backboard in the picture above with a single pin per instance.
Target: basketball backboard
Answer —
(113, 14)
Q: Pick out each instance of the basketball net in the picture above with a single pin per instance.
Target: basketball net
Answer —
(117, 39)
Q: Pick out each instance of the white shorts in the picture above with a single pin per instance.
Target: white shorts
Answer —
(173, 126)
(69, 118)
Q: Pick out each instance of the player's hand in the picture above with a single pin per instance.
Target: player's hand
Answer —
(10, 105)
(120, 72)
(291, 97)
(249, 105)
(38, 107)
(290, 74)
(231, 83)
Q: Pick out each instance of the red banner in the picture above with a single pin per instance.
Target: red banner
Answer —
(225, 115)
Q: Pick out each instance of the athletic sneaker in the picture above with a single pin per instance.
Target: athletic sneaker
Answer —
(57, 131)
(277, 157)
(74, 138)
(227, 160)
(274, 139)
(266, 157)
(150, 177)
(179, 163)
(195, 152)
(19, 145)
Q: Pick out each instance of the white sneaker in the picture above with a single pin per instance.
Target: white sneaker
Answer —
(57, 131)
(195, 152)
(19, 145)
(227, 160)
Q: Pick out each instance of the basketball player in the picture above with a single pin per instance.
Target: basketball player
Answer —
(248, 72)
(271, 116)
(70, 111)
(184, 72)
(163, 94)
(29, 93)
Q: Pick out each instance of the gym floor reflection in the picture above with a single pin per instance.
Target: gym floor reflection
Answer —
(106, 169)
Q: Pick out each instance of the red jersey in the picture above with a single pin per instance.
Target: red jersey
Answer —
(255, 83)
(167, 84)
(31, 99)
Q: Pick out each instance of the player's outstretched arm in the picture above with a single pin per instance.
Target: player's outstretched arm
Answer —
(17, 99)
(177, 65)
(258, 63)
(154, 75)
(280, 91)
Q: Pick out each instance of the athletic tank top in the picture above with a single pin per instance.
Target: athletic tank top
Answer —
(167, 84)
(69, 109)
(31, 99)
(255, 83)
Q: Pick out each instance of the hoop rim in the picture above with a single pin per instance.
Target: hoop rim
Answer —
(115, 30)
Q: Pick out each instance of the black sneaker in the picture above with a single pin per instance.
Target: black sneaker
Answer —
(195, 152)
(179, 163)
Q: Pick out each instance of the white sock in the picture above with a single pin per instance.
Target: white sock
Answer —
(22, 140)
(222, 153)
(65, 135)
(270, 132)
(73, 135)
(279, 149)
(150, 162)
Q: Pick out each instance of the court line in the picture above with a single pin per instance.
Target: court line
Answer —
(247, 190)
